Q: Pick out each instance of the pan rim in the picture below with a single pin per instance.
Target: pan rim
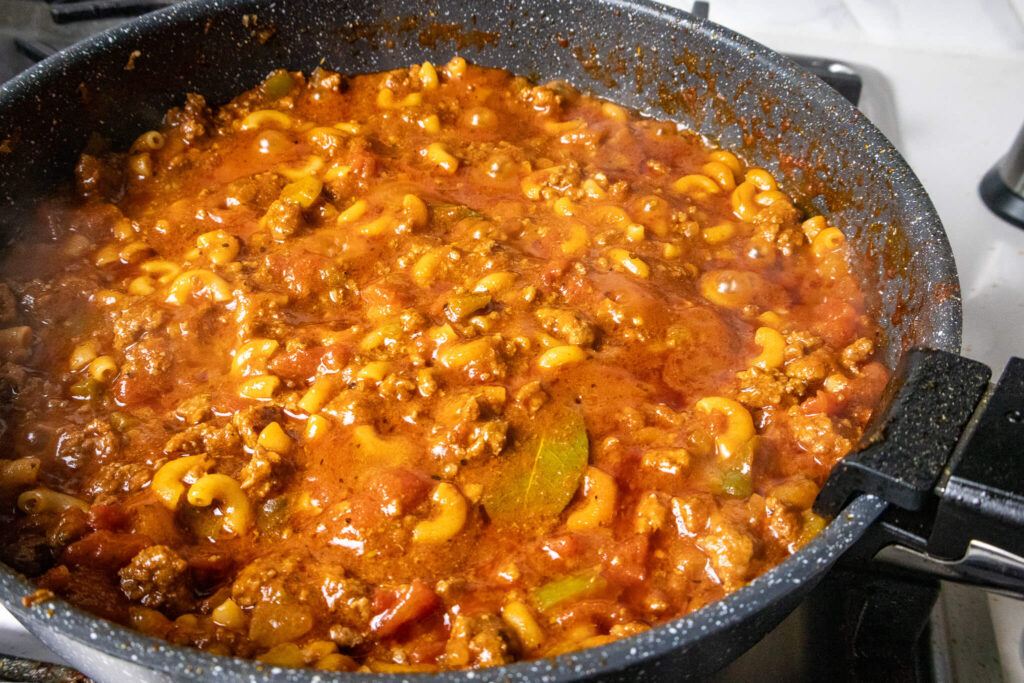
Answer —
(125, 644)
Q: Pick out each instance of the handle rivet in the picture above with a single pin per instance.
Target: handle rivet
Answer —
(1015, 416)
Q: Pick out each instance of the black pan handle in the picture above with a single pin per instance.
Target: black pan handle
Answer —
(947, 452)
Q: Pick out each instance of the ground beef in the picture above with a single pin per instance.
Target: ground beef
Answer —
(192, 120)
(145, 372)
(97, 442)
(94, 177)
(271, 578)
(730, 551)
(31, 555)
(208, 636)
(531, 397)
(856, 353)
(783, 524)
(469, 426)
(13, 379)
(397, 388)
(251, 421)
(478, 641)
(810, 368)
(321, 79)
(258, 475)
(205, 438)
(283, 219)
(564, 182)
(116, 478)
(259, 314)
(345, 636)
(55, 302)
(135, 319)
(148, 356)
(762, 388)
(569, 326)
(799, 343)
(354, 406)
(158, 577)
(542, 99)
(255, 191)
(468, 441)
(816, 434)
(348, 601)
(194, 409)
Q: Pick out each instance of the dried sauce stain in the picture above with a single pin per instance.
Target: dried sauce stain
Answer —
(675, 101)
(463, 38)
(368, 32)
(897, 254)
(943, 291)
(130, 64)
(591, 62)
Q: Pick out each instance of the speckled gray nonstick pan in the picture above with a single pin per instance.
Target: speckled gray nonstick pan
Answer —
(663, 62)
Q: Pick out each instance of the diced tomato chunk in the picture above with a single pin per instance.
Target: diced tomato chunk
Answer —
(104, 550)
(297, 365)
(398, 488)
(108, 517)
(91, 589)
(602, 612)
(304, 272)
(822, 403)
(210, 570)
(865, 389)
(626, 561)
(552, 275)
(837, 322)
(559, 554)
(410, 603)
(301, 365)
(133, 390)
(383, 299)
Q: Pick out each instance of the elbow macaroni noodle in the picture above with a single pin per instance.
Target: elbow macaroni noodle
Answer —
(600, 495)
(41, 501)
(251, 357)
(739, 426)
(448, 519)
(18, 473)
(168, 483)
(773, 348)
(198, 283)
(234, 506)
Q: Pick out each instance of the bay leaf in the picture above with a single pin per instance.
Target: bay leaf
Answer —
(542, 473)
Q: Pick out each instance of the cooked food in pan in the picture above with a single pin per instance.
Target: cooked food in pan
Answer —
(426, 369)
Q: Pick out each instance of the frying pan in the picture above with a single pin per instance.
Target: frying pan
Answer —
(661, 61)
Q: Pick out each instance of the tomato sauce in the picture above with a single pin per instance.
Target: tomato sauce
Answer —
(427, 369)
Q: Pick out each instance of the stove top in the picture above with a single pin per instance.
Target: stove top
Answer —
(856, 626)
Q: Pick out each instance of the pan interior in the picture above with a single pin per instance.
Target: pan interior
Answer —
(659, 61)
